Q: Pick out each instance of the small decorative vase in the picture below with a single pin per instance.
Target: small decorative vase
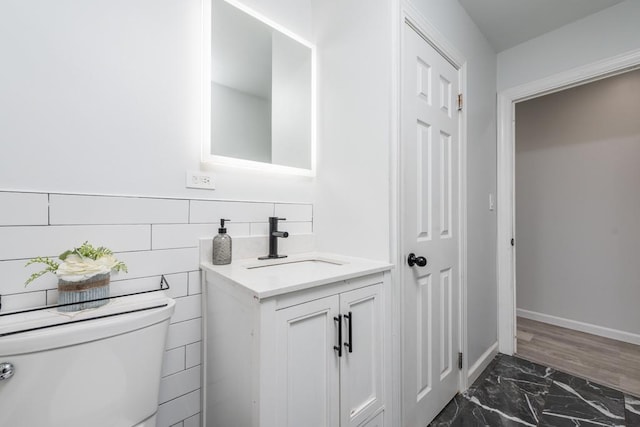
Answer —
(95, 287)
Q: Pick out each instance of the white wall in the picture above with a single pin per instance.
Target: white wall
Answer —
(610, 32)
(577, 204)
(103, 96)
(480, 100)
(354, 54)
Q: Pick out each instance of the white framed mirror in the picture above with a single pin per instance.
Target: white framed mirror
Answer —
(259, 92)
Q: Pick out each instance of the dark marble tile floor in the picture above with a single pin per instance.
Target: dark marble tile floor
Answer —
(516, 392)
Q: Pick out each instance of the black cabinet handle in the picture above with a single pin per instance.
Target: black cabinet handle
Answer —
(349, 344)
(338, 347)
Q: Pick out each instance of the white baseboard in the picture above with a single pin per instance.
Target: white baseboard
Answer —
(481, 364)
(581, 326)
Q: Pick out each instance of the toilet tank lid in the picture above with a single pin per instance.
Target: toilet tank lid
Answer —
(118, 316)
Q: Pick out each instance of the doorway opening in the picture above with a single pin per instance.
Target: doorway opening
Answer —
(569, 179)
(577, 153)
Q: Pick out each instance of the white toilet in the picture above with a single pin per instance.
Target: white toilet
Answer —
(98, 372)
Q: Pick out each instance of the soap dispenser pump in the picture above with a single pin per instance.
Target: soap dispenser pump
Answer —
(222, 246)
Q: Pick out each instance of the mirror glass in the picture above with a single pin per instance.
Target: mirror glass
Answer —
(261, 91)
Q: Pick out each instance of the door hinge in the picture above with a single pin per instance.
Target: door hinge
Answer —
(460, 102)
(513, 242)
(459, 360)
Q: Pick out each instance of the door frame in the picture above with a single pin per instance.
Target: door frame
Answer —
(506, 121)
(405, 12)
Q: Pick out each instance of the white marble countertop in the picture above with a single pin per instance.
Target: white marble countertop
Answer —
(269, 278)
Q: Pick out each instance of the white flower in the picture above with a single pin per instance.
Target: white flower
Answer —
(75, 268)
(108, 261)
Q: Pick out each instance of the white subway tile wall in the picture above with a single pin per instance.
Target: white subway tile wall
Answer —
(193, 421)
(193, 354)
(202, 211)
(174, 361)
(178, 384)
(195, 286)
(24, 209)
(67, 209)
(155, 237)
(28, 242)
(293, 212)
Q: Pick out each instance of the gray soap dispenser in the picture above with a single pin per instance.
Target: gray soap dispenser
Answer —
(222, 246)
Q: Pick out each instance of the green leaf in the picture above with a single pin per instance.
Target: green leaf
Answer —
(51, 267)
(65, 254)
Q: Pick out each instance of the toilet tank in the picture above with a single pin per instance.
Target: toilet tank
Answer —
(101, 370)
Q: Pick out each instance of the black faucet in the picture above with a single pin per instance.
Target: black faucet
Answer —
(273, 238)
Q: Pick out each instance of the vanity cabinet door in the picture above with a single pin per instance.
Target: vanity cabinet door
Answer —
(307, 386)
(361, 369)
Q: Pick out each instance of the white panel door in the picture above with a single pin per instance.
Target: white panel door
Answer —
(429, 168)
(307, 365)
(378, 421)
(361, 364)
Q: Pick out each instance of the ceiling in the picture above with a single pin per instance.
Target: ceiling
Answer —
(506, 23)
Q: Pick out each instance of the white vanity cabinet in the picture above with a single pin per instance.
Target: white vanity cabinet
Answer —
(317, 357)
(319, 377)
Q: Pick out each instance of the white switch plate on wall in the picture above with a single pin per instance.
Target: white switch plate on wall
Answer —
(200, 180)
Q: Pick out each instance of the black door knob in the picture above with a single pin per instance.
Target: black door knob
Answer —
(420, 261)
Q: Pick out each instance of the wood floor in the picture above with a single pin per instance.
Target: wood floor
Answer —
(609, 362)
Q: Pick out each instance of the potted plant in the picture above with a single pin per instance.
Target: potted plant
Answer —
(83, 275)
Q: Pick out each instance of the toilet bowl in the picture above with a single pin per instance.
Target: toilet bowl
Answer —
(98, 368)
